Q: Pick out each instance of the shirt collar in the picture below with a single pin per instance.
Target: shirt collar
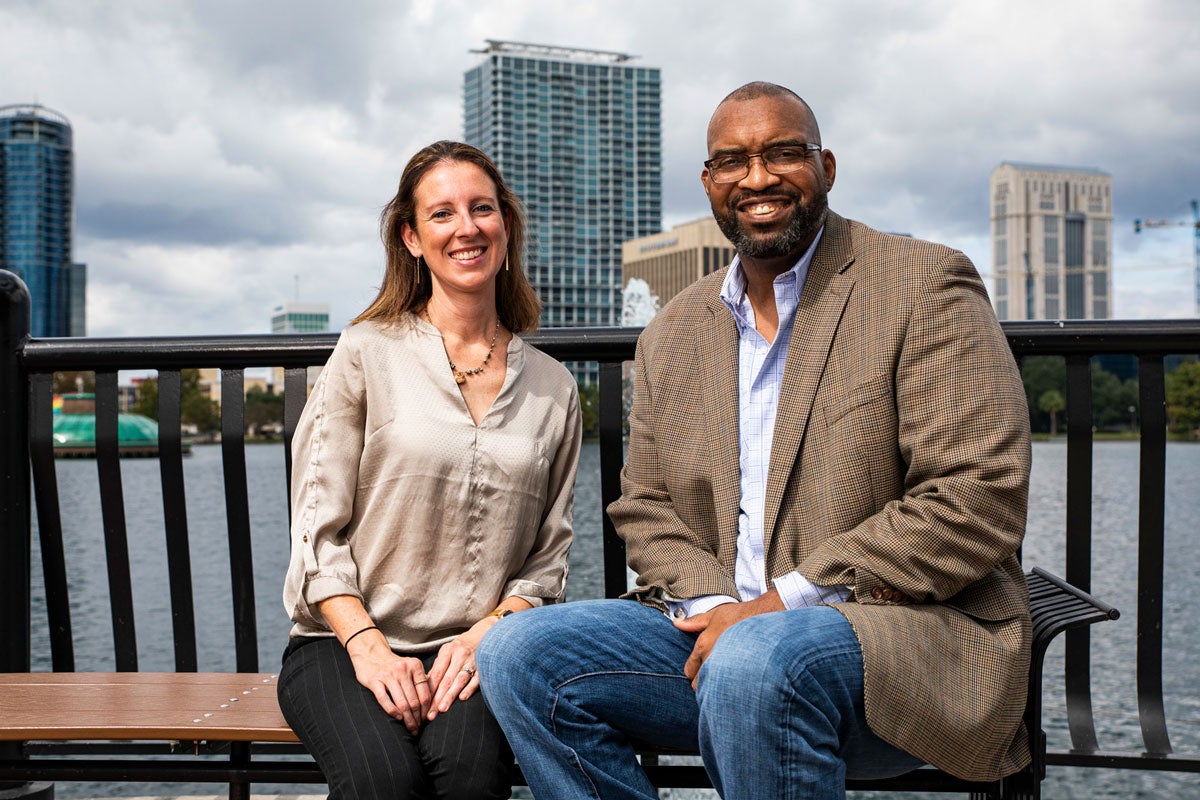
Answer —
(733, 289)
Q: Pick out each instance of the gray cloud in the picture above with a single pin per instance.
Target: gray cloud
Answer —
(170, 225)
(225, 149)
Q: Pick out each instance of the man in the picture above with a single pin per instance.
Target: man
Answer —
(825, 489)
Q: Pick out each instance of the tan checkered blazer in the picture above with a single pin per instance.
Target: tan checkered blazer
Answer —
(900, 462)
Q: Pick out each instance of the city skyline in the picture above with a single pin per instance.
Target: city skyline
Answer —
(223, 149)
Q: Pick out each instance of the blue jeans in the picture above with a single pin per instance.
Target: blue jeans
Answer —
(778, 713)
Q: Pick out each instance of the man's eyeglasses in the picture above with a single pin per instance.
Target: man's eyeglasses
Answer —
(778, 160)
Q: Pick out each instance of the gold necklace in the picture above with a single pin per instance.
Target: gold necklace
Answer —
(461, 375)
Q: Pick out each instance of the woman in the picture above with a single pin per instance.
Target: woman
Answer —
(434, 468)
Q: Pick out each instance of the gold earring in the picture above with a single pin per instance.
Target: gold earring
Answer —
(418, 270)
(506, 263)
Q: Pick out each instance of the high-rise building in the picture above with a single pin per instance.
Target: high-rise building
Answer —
(300, 318)
(671, 261)
(37, 217)
(577, 134)
(1051, 242)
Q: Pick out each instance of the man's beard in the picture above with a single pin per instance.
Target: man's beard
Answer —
(806, 220)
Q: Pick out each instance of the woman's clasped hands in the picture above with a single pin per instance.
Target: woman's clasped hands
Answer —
(399, 683)
(402, 686)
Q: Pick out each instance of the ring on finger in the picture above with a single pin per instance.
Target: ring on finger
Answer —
(423, 679)
(469, 670)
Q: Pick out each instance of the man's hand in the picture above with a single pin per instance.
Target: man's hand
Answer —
(711, 624)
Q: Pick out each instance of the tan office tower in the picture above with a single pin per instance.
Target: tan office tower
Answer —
(669, 262)
(1051, 242)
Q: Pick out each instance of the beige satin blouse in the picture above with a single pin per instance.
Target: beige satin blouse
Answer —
(398, 498)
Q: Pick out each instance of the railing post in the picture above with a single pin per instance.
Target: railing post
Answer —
(16, 526)
(15, 504)
(612, 456)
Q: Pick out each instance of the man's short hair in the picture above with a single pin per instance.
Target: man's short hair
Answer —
(757, 89)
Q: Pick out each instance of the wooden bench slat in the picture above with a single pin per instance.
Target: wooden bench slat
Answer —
(235, 707)
(232, 680)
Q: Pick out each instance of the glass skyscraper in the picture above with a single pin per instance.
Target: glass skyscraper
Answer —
(577, 134)
(36, 216)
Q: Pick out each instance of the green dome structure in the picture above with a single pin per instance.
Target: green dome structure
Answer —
(75, 430)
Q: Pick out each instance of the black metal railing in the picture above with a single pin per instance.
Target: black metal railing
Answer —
(26, 448)
(1151, 342)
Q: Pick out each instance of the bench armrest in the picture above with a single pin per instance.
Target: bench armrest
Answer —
(1054, 606)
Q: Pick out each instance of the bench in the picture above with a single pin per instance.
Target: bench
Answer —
(190, 711)
(69, 725)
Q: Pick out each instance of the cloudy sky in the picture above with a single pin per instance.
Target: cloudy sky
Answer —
(233, 155)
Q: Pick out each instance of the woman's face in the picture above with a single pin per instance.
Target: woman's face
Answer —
(460, 230)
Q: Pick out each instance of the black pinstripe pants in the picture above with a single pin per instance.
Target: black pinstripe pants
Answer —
(365, 754)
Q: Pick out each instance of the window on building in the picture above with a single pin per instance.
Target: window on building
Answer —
(1073, 255)
(1099, 243)
(1076, 299)
(1051, 244)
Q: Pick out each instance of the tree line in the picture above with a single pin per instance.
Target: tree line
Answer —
(1115, 402)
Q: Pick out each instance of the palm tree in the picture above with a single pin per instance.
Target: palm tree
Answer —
(1052, 402)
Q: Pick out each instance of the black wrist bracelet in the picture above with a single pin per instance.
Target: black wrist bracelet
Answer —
(356, 633)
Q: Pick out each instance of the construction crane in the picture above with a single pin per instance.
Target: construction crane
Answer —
(1138, 224)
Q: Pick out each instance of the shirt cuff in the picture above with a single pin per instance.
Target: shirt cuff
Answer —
(682, 609)
(797, 591)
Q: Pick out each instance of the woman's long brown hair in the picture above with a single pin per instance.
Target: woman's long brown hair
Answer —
(402, 291)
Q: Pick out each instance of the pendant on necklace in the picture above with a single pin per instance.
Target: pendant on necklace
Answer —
(461, 375)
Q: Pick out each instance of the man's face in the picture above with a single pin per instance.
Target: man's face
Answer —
(768, 216)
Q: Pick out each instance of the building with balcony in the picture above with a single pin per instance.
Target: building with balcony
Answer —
(577, 134)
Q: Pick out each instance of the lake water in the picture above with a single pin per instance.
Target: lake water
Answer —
(1114, 565)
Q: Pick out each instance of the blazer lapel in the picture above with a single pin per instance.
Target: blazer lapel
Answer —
(826, 290)
(716, 361)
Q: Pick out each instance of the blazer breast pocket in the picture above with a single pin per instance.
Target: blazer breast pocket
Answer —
(858, 449)
(872, 397)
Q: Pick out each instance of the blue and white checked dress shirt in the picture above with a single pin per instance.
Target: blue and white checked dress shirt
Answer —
(760, 375)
